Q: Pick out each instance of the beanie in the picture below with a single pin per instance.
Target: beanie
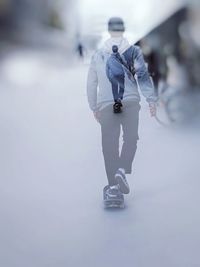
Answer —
(116, 24)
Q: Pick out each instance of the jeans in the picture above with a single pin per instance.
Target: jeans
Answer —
(111, 127)
(118, 87)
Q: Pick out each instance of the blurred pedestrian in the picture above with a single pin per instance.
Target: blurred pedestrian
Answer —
(80, 50)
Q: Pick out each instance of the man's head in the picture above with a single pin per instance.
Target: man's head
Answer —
(116, 26)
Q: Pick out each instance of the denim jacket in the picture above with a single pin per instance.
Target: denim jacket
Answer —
(99, 91)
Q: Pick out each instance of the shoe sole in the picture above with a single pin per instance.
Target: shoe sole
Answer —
(122, 186)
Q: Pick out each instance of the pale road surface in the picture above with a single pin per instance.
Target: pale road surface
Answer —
(52, 175)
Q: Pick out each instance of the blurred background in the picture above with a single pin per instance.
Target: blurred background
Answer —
(51, 165)
(63, 30)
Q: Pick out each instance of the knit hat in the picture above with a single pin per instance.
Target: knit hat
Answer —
(116, 24)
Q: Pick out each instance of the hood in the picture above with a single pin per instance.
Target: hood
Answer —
(121, 42)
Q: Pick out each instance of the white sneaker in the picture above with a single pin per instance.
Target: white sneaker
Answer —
(113, 191)
(120, 176)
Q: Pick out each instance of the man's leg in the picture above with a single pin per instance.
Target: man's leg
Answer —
(121, 86)
(115, 90)
(110, 129)
(129, 120)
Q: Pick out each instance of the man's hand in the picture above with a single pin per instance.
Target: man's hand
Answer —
(96, 115)
(152, 108)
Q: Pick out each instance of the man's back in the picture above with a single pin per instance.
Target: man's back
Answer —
(97, 73)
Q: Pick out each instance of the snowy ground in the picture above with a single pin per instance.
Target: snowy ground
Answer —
(52, 176)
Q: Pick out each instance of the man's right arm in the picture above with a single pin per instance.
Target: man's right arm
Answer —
(92, 84)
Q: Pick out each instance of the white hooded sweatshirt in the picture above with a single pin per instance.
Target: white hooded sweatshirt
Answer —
(99, 90)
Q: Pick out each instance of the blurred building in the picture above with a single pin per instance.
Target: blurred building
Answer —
(16, 13)
(22, 18)
(172, 52)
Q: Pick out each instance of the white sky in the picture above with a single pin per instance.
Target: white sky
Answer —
(139, 15)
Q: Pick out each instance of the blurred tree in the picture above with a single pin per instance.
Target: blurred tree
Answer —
(5, 14)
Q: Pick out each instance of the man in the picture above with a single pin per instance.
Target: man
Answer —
(100, 98)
